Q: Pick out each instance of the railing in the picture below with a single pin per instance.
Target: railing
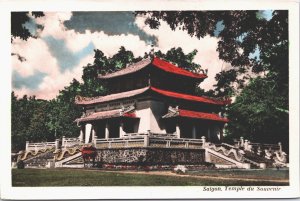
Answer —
(175, 142)
(40, 146)
(249, 146)
(70, 142)
(149, 140)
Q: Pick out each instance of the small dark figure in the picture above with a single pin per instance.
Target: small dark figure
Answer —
(20, 164)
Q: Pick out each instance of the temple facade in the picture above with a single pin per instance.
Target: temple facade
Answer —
(155, 96)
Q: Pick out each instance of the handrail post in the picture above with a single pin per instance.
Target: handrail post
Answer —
(146, 140)
(203, 141)
(57, 144)
(27, 146)
(280, 147)
(63, 144)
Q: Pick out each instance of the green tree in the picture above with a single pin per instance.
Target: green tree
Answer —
(260, 115)
(18, 20)
(177, 56)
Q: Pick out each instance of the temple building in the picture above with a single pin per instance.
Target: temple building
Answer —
(155, 96)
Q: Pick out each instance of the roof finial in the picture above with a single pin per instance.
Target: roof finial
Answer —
(152, 51)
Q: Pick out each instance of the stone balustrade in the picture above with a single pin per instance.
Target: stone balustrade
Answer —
(149, 140)
(70, 142)
(250, 146)
(40, 146)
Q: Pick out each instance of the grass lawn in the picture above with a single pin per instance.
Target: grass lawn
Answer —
(249, 174)
(80, 177)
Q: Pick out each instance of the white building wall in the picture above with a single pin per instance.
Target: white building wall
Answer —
(143, 111)
(150, 113)
(158, 109)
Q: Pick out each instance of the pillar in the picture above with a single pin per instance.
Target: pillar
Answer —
(106, 131)
(88, 129)
(81, 136)
(177, 130)
(221, 133)
(93, 132)
(194, 132)
(122, 132)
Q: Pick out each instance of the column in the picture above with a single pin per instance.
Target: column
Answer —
(122, 132)
(88, 129)
(221, 133)
(194, 132)
(177, 130)
(106, 131)
(81, 137)
(93, 132)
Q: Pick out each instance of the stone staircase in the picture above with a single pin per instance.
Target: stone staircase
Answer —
(71, 161)
(225, 157)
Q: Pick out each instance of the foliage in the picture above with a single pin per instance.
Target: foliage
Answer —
(259, 115)
(177, 56)
(18, 19)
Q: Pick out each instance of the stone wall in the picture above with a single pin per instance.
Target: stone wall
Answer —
(151, 156)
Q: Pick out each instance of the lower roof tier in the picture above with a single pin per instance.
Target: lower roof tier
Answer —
(130, 113)
(128, 94)
(172, 113)
(127, 113)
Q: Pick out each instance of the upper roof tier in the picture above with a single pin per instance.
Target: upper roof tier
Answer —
(154, 63)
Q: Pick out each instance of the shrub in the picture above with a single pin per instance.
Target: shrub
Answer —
(20, 164)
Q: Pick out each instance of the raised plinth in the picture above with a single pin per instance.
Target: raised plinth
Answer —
(151, 156)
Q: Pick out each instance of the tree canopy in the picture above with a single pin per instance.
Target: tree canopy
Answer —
(18, 19)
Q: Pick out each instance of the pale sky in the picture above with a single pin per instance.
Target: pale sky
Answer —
(67, 40)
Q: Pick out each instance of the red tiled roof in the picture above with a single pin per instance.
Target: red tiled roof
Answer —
(128, 94)
(195, 115)
(128, 70)
(106, 115)
(87, 101)
(201, 115)
(171, 68)
(189, 97)
(158, 63)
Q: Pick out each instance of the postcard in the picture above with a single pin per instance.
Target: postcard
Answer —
(150, 100)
